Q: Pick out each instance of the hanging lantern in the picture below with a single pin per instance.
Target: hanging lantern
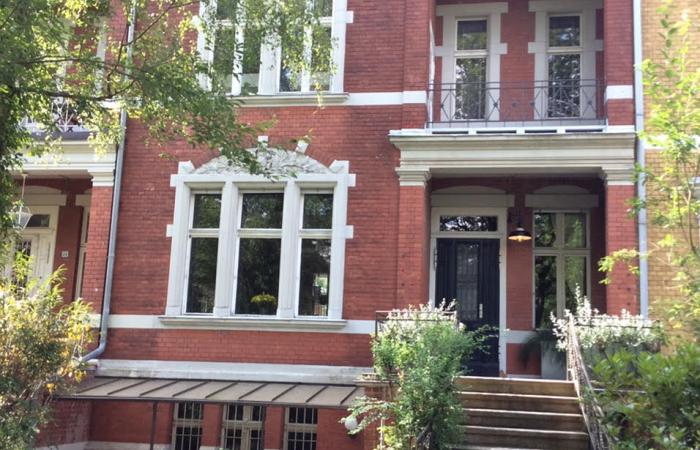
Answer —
(20, 216)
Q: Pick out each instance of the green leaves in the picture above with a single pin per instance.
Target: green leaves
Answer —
(652, 400)
(419, 352)
(40, 340)
(75, 54)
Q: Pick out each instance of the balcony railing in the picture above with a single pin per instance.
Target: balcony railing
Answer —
(65, 118)
(516, 104)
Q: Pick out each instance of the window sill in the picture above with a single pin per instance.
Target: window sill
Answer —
(251, 323)
(292, 99)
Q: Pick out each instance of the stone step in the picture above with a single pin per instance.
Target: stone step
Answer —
(516, 386)
(532, 420)
(520, 402)
(526, 439)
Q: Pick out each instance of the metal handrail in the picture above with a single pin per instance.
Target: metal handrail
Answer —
(578, 373)
(516, 103)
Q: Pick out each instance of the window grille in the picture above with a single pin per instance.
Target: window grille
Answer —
(300, 428)
(187, 426)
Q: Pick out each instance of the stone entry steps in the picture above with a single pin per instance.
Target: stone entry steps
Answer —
(511, 414)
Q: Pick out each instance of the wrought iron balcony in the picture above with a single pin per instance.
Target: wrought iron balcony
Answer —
(516, 104)
(65, 118)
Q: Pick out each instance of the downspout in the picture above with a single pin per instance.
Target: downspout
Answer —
(114, 220)
(641, 159)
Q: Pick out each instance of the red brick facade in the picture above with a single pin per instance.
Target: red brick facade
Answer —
(388, 260)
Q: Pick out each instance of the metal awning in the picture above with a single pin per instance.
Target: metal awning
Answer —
(215, 391)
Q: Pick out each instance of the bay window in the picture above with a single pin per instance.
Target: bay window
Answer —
(248, 247)
(561, 263)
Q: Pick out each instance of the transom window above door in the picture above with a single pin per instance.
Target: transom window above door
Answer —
(468, 223)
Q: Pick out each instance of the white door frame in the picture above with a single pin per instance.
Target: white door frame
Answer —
(43, 269)
(502, 214)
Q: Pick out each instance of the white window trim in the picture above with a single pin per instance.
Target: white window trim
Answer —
(451, 14)
(268, 82)
(338, 180)
(586, 9)
(560, 252)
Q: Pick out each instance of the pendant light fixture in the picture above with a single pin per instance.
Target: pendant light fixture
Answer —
(519, 234)
(21, 214)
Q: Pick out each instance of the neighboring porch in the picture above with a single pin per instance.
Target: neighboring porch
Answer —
(462, 196)
(67, 193)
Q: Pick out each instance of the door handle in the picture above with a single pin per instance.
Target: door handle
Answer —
(481, 310)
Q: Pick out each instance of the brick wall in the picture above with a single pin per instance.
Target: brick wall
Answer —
(662, 287)
(69, 423)
(622, 292)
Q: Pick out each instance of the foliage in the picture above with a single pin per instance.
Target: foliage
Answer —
(672, 89)
(419, 352)
(602, 334)
(40, 340)
(655, 405)
(70, 61)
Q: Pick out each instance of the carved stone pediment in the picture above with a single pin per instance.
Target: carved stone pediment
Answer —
(273, 161)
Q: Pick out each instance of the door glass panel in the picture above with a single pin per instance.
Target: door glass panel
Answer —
(470, 89)
(545, 290)
(468, 223)
(564, 90)
(575, 272)
(575, 230)
(467, 282)
(545, 229)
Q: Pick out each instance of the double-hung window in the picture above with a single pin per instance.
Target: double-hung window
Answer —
(471, 56)
(259, 253)
(562, 263)
(244, 246)
(203, 244)
(564, 52)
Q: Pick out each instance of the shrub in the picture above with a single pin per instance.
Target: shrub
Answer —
(40, 340)
(656, 405)
(419, 352)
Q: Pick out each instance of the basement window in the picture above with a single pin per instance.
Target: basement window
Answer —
(187, 426)
(300, 428)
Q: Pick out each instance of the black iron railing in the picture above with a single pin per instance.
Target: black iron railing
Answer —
(65, 118)
(578, 373)
(526, 103)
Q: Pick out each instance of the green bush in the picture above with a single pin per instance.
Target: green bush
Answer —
(652, 400)
(419, 352)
